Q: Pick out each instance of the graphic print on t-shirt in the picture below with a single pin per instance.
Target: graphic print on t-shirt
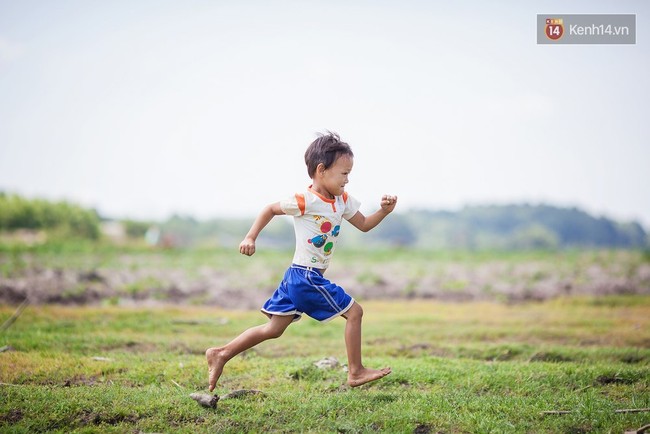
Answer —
(325, 226)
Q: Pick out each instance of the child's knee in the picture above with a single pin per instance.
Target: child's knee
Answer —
(274, 334)
(355, 312)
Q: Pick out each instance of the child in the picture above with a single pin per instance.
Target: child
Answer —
(318, 214)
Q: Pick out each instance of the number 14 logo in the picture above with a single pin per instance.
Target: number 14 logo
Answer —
(554, 28)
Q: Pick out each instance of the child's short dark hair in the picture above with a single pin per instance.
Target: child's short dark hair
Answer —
(325, 149)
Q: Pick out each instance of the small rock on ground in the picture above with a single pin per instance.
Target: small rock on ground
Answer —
(327, 363)
(205, 399)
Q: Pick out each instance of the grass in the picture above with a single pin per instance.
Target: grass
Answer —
(472, 367)
(92, 255)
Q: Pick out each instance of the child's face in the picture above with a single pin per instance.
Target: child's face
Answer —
(335, 177)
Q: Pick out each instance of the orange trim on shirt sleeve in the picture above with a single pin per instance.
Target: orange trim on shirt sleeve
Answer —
(300, 198)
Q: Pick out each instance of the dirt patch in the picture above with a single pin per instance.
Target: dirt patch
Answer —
(90, 417)
(615, 379)
(250, 285)
(424, 428)
(80, 380)
(14, 415)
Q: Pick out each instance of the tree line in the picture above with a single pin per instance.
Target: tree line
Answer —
(507, 227)
(519, 227)
(62, 218)
(490, 227)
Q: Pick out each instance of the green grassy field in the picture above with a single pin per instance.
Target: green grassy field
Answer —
(470, 367)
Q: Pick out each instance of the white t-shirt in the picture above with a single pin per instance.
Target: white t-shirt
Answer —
(317, 222)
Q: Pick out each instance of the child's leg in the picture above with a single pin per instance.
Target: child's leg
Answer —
(218, 356)
(357, 373)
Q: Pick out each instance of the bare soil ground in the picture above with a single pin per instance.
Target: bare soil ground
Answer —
(149, 280)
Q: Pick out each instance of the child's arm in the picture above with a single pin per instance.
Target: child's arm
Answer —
(364, 223)
(247, 247)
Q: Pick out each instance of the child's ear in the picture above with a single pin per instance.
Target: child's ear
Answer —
(320, 169)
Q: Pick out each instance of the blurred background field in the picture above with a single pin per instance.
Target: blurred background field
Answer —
(57, 252)
(90, 274)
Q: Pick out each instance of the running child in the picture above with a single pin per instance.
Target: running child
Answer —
(318, 214)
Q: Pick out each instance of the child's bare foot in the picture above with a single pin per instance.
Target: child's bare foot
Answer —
(366, 375)
(216, 361)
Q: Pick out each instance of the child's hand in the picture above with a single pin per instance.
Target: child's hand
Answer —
(247, 247)
(388, 203)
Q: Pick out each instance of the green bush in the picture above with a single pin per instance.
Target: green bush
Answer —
(61, 218)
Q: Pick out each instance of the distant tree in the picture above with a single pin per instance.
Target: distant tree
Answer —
(136, 229)
(395, 231)
(533, 237)
(522, 227)
(17, 212)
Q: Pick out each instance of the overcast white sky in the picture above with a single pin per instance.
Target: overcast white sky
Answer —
(146, 108)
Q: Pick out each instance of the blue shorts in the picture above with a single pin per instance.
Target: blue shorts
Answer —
(305, 290)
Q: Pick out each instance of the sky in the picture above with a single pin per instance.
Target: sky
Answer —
(142, 109)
